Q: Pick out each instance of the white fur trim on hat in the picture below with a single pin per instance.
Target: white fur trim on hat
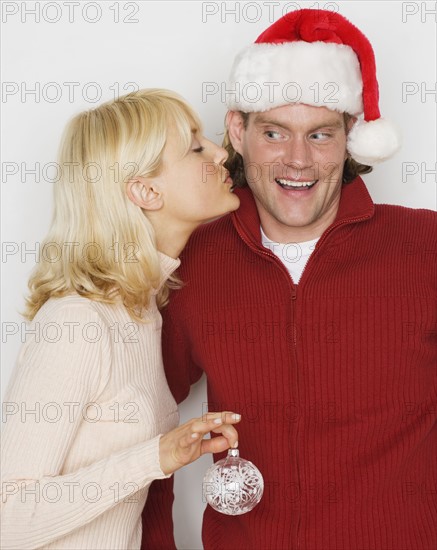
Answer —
(374, 141)
(265, 76)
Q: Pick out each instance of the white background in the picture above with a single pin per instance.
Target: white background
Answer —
(178, 45)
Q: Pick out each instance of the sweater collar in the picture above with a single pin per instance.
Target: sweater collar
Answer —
(168, 266)
(355, 205)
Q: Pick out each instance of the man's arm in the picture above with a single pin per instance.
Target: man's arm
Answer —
(158, 517)
(180, 370)
(181, 373)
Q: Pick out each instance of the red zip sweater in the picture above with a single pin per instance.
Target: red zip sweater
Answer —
(335, 378)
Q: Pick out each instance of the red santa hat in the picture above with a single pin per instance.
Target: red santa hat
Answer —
(316, 57)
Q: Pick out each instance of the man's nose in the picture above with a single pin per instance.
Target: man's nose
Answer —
(297, 156)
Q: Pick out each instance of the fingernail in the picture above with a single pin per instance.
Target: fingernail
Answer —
(194, 435)
(236, 417)
(218, 421)
(235, 445)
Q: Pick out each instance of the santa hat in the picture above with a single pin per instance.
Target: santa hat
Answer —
(316, 57)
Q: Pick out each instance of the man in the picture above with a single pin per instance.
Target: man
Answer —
(312, 310)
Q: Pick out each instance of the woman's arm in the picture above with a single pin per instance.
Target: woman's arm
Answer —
(57, 374)
(181, 373)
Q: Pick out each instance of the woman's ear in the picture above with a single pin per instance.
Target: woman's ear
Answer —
(236, 129)
(145, 193)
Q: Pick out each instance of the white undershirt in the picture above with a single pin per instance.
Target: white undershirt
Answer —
(293, 255)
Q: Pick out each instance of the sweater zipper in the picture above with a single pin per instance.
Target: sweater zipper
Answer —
(293, 297)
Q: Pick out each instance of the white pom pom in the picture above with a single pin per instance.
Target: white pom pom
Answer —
(374, 141)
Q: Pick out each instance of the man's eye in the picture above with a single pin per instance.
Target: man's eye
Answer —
(272, 134)
(198, 149)
(318, 136)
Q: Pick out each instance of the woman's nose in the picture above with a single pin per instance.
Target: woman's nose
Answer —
(220, 154)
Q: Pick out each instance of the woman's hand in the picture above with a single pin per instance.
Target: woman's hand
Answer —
(185, 444)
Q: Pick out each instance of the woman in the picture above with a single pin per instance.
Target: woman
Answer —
(137, 178)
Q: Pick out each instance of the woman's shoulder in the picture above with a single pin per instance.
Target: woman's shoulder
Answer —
(75, 318)
(72, 305)
(80, 307)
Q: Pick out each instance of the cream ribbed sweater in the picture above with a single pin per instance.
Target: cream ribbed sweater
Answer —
(84, 411)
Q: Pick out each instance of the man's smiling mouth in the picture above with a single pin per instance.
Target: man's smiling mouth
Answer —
(295, 185)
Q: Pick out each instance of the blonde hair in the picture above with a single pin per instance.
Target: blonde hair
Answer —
(101, 245)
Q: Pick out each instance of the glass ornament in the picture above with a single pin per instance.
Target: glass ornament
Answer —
(232, 485)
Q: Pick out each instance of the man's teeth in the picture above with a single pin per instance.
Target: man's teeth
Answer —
(295, 184)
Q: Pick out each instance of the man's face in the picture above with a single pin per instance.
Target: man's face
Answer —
(293, 157)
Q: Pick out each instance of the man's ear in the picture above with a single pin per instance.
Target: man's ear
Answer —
(235, 126)
(144, 193)
(349, 125)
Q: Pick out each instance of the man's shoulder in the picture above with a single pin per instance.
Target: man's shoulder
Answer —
(406, 212)
(401, 228)
(211, 234)
(406, 218)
